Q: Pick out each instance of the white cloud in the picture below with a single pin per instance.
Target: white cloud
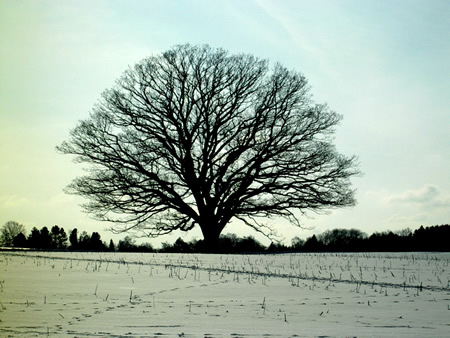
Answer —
(425, 196)
(425, 205)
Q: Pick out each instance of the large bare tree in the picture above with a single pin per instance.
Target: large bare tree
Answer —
(196, 136)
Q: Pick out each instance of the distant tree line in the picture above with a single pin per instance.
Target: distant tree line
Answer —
(228, 243)
(434, 238)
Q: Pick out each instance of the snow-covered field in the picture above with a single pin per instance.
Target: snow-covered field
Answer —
(326, 294)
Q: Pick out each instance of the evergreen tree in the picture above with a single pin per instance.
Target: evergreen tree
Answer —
(73, 239)
(111, 247)
(34, 238)
(45, 240)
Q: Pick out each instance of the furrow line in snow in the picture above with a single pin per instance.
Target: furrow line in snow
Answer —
(168, 265)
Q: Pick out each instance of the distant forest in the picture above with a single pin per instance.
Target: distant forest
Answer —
(433, 238)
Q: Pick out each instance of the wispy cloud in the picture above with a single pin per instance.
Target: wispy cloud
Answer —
(397, 221)
(12, 201)
(426, 196)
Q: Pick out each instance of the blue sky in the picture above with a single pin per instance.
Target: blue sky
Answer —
(383, 65)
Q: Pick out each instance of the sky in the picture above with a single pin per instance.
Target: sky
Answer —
(383, 65)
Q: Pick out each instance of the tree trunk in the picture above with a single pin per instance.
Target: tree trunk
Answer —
(211, 233)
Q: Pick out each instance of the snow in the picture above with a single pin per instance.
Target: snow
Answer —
(324, 294)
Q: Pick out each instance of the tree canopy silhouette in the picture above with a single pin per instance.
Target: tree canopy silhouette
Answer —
(9, 231)
(197, 136)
